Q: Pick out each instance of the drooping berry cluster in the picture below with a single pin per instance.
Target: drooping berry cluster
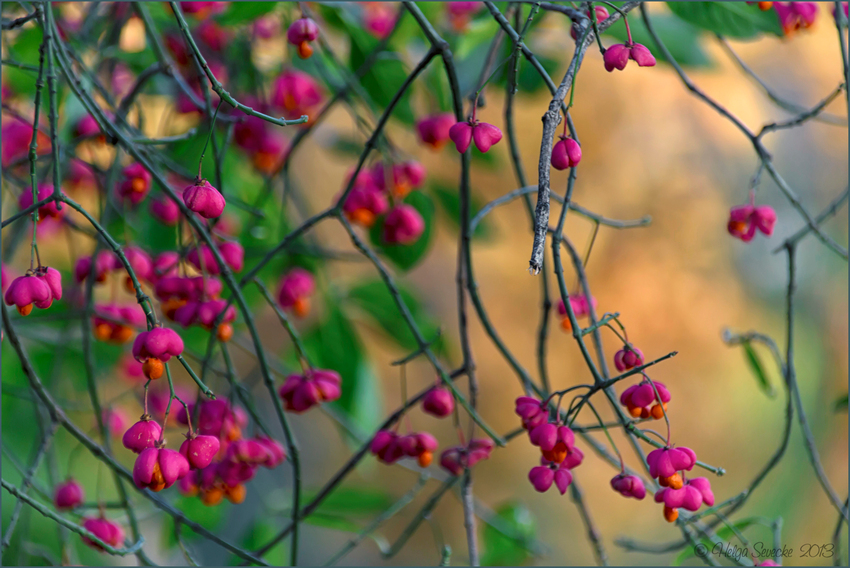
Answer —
(378, 192)
(389, 446)
(556, 442)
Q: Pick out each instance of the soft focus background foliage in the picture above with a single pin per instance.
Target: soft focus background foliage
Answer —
(649, 147)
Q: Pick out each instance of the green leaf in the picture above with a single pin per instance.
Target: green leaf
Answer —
(680, 37)
(406, 257)
(244, 12)
(25, 44)
(509, 544)
(353, 501)
(478, 35)
(384, 78)
(375, 300)
(758, 370)
(329, 521)
(449, 200)
(731, 19)
(336, 345)
(841, 404)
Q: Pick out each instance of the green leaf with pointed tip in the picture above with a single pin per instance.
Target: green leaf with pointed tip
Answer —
(841, 404)
(731, 19)
(449, 200)
(377, 303)
(335, 522)
(353, 501)
(757, 368)
(386, 75)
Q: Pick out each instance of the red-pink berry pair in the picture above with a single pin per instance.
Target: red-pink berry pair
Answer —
(484, 135)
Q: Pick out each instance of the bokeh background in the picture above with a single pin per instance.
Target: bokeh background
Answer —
(649, 148)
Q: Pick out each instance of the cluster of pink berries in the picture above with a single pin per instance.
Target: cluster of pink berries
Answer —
(389, 446)
(559, 456)
(117, 323)
(294, 93)
(214, 460)
(234, 459)
(200, 197)
(194, 301)
(665, 464)
(372, 193)
(70, 494)
(106, 262)
(556, 442)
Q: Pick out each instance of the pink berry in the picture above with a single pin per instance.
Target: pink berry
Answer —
(159, 468)
(693, 493)
(296, 287)
(135, 184)
(457, 458)
(205, 200)
(667, 461)
(618, 55)
(403, 225)
(438, 402)
(433, 130)
(142, 435)
(199, 451)
(532, 412)
(301, 33)
(68, 495)
(27, 290)
(627, 358)
(296, 93)
(629, 486)
(543, 476)
(566, 154)
(109, 532)
(745, 219)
